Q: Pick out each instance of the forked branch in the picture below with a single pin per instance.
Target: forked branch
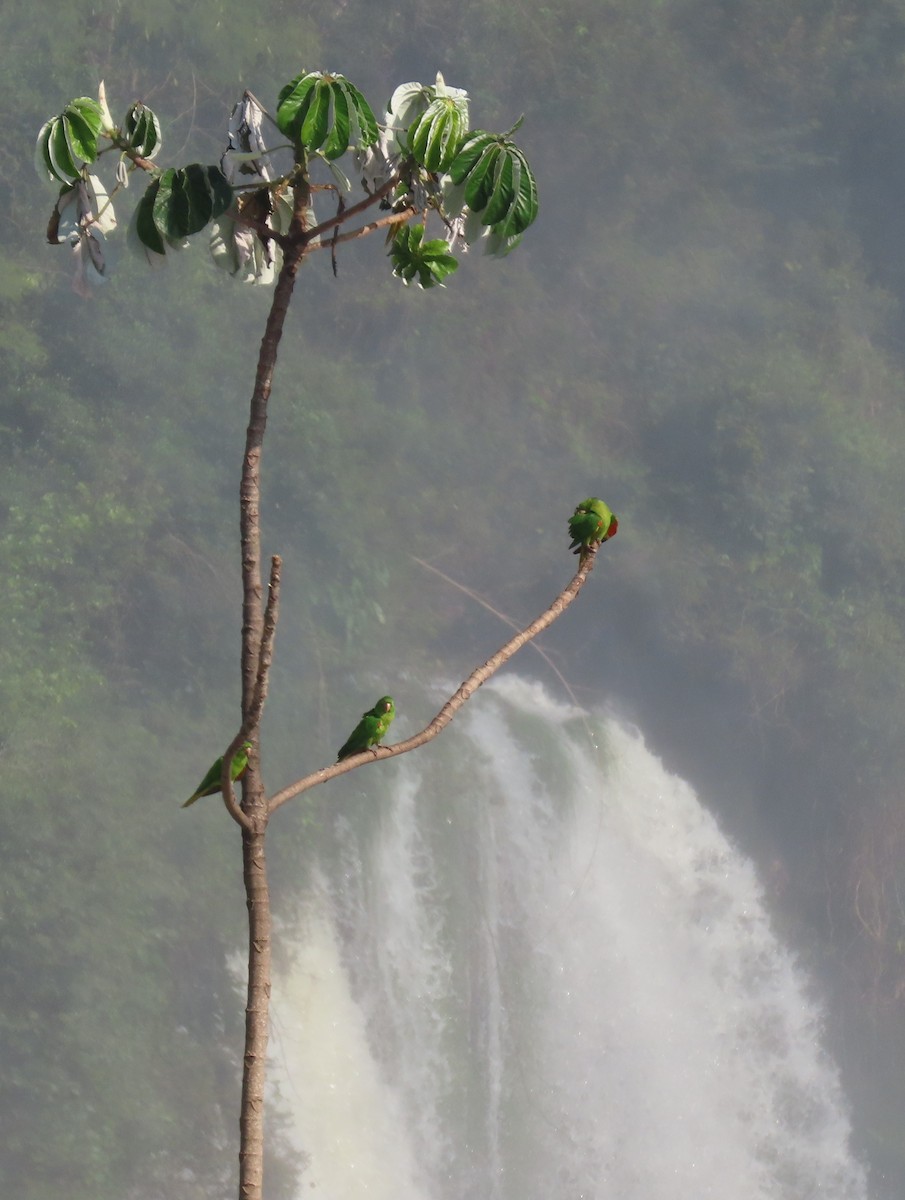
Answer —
(251, 724)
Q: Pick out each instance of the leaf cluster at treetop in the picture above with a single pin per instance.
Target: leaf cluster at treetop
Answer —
(421, 159)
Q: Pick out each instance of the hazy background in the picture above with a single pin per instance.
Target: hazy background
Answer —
(704, 327)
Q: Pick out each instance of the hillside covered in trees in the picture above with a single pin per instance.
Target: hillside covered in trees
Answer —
(706, 326)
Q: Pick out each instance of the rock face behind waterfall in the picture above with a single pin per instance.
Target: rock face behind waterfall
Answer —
(538, 971)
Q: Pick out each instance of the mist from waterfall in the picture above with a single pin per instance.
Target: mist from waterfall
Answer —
(531, 966)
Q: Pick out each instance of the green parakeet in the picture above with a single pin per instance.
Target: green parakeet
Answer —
(211, 782)
(592, 522)
(371, 729)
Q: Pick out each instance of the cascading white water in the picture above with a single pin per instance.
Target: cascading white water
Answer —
(533, 967)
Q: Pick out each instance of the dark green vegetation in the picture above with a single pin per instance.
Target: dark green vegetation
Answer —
(708, 325)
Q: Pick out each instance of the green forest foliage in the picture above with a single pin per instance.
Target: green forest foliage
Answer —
(706, 330)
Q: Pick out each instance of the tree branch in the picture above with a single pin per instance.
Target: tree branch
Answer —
(372, 198)
(250, 489)
(226, 782)
(479, 599)
(249, 729)
(265, 657)
(363, 230)
(453, 704)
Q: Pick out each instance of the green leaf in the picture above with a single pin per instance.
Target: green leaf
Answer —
(68, 141)
(430, 261)
(60, 157)
(90, 112)
(221, 192)
(142, 130)
(191, 200)
(504, 190)
(499, 184)
(145, 226)
(293, 101)
(305, 107)
(80, 138)
(84, 120)
(316, 124)
(187, 210)
(434, 137)
(163, 198)
(188, 198)
(523, 212)
(43, 163)
(469, 153)
(338, 141)
(479, 186)
(368, 133)
(53, 156)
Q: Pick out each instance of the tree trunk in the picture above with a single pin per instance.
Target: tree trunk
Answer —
(257, 1016)
(256, 648)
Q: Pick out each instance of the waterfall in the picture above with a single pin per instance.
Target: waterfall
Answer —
(531, 967)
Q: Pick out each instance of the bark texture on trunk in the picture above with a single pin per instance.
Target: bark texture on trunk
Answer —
(257, 1017)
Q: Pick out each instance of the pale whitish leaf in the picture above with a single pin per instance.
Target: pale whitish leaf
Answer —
(246, 147)
(64, 224)
(42, 157)
(241, 253)
(375, 166)
(93, 244)
(90, 262)
(222, 246)
(442, 89)
(378, 162)
(238, 157)
(106, 118)
(452, 198)
(342, 180)
(498, 246)
(408, 102)
(473, 229)
(81, 208)
(281, 217)
(470, 229)
(455, 235)
(122, 172)
(423, 191)
(100, 206)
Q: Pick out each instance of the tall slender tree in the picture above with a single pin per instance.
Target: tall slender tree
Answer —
(264, 206)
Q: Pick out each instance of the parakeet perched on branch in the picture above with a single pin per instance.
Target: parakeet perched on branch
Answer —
(592, 522)
(211, 782)
(371, 729)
